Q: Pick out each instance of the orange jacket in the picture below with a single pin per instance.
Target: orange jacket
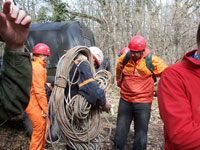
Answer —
(38, 94)
(137, 84)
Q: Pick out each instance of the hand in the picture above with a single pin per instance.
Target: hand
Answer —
(15, 26)
(118, 83)
(155, 93)
(43, 114)
(48, 84)
(106, 107)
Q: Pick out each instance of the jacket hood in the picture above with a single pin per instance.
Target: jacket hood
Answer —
(190, 59)
(37, 59)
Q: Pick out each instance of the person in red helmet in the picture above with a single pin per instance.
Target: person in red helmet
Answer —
(124, 50)
(37, 107)
(136, 94)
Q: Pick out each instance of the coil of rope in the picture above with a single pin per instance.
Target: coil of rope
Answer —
(79, 122)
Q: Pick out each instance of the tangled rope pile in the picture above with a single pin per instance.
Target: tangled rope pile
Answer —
(79, 122)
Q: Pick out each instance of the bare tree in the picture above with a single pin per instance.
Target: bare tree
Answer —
(169, 27)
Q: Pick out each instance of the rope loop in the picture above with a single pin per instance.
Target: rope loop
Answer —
(61, 81)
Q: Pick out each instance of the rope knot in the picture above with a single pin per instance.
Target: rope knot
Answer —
(61, 81)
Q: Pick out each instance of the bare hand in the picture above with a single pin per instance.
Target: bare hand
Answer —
(43, 114)
(106, 107)
(155, 93)
(15, 26)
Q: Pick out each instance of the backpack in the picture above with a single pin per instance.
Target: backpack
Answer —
(148, 60)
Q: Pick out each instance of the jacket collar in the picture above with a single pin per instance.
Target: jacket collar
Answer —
(191, 63)
(190, 59)
(40, 61)
(146, 52)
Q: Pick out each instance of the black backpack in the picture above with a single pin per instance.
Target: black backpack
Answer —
(148, 61)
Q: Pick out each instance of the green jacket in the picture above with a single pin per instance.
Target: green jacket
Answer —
(15, 84)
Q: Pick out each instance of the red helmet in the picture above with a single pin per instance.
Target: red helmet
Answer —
(124, 50)
(41, 48)
(137, 43)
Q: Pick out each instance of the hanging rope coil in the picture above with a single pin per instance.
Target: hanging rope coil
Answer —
(79, 122)
(103, 78)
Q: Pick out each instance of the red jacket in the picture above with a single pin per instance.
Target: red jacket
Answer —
(179, 104)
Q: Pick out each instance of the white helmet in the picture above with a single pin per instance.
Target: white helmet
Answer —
(97, 55)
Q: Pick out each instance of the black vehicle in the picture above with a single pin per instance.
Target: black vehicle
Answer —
(59, 36)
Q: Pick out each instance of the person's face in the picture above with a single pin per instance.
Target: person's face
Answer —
(136, 55)
(44, 58)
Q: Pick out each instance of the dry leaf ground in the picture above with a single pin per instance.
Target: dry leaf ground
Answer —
(13, 135)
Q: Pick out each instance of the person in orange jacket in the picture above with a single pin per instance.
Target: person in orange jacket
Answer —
(136, 94)
(37, 107)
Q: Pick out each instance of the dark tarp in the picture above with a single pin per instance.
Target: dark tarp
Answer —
(59, 36)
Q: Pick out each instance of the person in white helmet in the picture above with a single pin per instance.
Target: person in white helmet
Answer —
(86, 85)
(97, 55)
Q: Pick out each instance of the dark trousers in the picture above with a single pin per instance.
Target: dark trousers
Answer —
(141, 113)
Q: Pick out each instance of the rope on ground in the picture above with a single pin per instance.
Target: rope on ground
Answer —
(79, 122)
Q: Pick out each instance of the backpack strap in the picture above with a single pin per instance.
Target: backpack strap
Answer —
(125, 61)
(148, 60)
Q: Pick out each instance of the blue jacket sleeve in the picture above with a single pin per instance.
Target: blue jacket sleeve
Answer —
(89, 88)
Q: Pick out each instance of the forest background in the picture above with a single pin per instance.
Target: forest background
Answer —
(169, 26)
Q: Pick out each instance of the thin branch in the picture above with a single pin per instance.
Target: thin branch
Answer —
(83, 15)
